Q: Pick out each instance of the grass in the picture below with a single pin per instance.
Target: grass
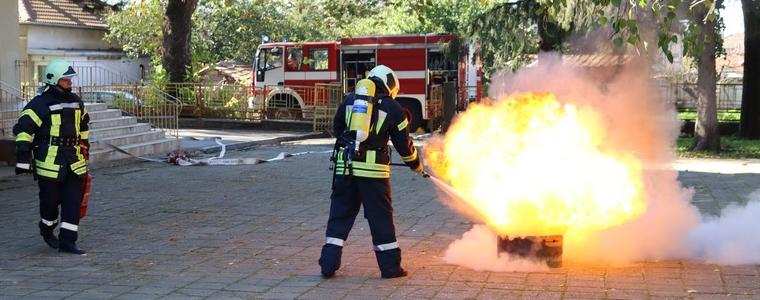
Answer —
(732, 147)
(723, 116)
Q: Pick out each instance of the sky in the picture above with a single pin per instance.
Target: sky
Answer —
(732, 17)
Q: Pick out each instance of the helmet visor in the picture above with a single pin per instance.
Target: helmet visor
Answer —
(69, 73)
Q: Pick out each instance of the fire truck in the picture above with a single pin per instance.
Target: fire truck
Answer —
(285, 70)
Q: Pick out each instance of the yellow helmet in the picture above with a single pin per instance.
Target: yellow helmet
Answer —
(389, 79)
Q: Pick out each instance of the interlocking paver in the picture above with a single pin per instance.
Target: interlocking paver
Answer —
(255, 232)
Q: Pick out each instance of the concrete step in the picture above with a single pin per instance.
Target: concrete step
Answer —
(105, 123)
(162, 146)
(104, 114)
(101, 133)
(91, 106)
(127, 139)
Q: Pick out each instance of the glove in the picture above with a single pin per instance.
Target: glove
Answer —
(418, 169)
(23, 168)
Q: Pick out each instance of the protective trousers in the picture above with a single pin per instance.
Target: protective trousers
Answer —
(66, 193)
(349, 194)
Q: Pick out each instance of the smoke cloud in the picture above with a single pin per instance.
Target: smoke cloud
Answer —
(732, 238)
(638, 122)
(477, 250)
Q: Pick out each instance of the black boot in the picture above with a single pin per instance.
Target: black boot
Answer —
(51, 240)
(389, 262)
(46, 232)
(399, 273)
(330, 259)
(71, 248)
(68, 243)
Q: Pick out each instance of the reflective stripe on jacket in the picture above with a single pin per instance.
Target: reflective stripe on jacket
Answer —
(48, 128)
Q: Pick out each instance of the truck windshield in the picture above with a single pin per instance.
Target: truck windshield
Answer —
(269, 58)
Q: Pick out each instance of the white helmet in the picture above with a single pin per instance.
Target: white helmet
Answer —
(389, 79)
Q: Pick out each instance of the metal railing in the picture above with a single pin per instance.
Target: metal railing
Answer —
(12, 101)
(148, 104)
(230, 102)
(89, 73)
(243, 103)
(328, 97)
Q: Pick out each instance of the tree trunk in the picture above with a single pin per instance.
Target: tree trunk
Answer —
(706, 135)
(750, 120)
(176, 29)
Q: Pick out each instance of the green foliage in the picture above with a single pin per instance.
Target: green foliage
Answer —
(137, 27)
(507, 32)
(723, 116)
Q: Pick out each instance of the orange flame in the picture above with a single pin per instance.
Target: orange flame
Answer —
(530, 165)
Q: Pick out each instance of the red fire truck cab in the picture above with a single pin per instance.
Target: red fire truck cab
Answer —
(281, 68)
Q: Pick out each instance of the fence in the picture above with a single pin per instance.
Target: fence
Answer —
(89, 73)
(328, 97)
(231, 102)
(237, 102)
(685, 96)
(148, 104)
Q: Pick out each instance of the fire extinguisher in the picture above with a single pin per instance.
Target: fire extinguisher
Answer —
(86, 185)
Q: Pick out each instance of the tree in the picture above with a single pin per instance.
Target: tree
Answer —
(750, 115)
(705, 46)
(542, 25)
(177, 27)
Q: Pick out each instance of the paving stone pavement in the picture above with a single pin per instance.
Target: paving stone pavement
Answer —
(156, 231)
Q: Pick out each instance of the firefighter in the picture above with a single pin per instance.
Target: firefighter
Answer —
(362, 170)
(51, 142)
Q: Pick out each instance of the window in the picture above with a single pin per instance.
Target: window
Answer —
(295, 58)
(39, 76)
(318, 59)
(272, 58)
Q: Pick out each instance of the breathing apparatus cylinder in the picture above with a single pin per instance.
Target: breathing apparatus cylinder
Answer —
(361, 113)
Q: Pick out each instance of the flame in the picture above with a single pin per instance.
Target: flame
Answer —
(531, 165)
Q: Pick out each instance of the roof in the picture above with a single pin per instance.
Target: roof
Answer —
(240, 73)
(733, 62)
(596, 60)
(66, 13)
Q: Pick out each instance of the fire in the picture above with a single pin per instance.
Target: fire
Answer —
(531, 165)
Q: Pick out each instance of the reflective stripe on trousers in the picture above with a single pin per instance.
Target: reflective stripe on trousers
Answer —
(385, 247)
(334, 241)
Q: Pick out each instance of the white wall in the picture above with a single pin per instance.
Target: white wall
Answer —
(93, 70)
(9, 42)
(65, 38)
(97, 62)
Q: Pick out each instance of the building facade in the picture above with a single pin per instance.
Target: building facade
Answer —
(73, 31)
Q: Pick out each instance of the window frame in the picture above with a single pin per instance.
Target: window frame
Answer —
(300, 66)
(313, 61)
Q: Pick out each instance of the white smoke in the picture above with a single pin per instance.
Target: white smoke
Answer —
(477, 250)
(733, 238)
(638, 122)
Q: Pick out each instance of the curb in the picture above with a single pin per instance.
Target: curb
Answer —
(267, 142)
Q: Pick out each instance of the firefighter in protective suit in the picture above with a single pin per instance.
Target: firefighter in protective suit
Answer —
(362, 170)
(51, 141)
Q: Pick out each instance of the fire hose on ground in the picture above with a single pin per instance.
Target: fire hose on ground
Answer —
(181, 159)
